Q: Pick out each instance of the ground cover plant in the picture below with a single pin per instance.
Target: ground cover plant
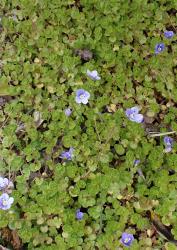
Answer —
(88, 124)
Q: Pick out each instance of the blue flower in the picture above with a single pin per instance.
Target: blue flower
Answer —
(93, 75)
(67, 155)
(159, 48)
(79, 214)
(5, 201)
(136, 162)
(133, 115)
(4, 183)
(127, 239)
(168, 141)
(68, 112)
(169, 34)
(82, 96)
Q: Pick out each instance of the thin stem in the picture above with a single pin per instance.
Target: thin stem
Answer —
(85, 175)
(4, 122)
(162, 134)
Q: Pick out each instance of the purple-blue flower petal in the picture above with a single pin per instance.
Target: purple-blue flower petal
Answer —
(168, 149)
(4, 183)
(133, 115)
(159, 48)
(78, 100)
(136, 162)
(80, 92)
(93, 75)
(79, 214)
(168, 141)
(67, 155)
(127, 239)
(5, 201)
(68, 111)
(169, 34)
(82, 96)
(137, 118)
(85, 101)
(130, 111)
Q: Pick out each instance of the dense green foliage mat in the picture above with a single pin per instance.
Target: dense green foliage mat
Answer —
(47, 46)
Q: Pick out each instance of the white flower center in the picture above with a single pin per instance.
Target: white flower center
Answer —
(4, 202)
(82, 96)
(133, 116)
(127, 240)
